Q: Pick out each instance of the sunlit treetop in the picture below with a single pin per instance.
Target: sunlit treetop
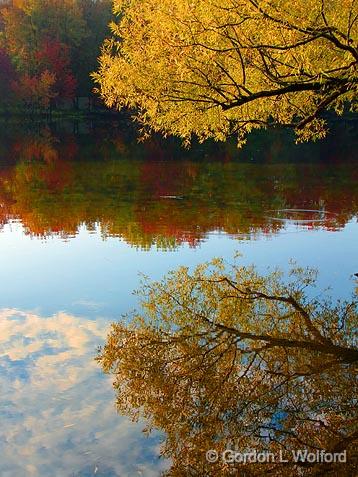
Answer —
(212, 69)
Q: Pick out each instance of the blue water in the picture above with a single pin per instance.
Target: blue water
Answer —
(58, 297)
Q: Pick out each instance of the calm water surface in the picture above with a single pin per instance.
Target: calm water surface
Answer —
(84, 210)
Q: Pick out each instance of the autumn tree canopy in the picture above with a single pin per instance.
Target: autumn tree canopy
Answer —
(224, 358)
(211, 69)
(48, 49)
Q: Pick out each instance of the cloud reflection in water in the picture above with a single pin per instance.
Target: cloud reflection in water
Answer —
(57, 416)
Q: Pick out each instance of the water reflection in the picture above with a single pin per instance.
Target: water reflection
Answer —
(55, 418)
(56, 182)
(82, 210)
(240, 365)
(303, 216)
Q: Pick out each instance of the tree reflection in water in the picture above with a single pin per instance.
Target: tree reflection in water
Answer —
(55, 183)
(221, 359)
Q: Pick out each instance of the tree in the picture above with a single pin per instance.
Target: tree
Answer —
(19, 38)
(97, 15)
(230, 359)
(40, 36)
(36, 92)
(55, 57)
(61, 36)
(7, 77)
(213, 69)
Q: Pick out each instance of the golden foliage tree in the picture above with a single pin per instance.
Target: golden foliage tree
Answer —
(211, 69)
(222, 359)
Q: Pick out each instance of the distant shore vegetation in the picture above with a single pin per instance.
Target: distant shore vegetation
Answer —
(48, 48)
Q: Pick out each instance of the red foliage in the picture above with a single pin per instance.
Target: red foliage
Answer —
(36, 91)
(55, 57)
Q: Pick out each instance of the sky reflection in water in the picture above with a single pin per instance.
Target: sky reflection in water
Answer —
(57, 415)
(75, 233)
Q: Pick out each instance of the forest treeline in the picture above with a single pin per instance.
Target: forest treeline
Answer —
(48, 48)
